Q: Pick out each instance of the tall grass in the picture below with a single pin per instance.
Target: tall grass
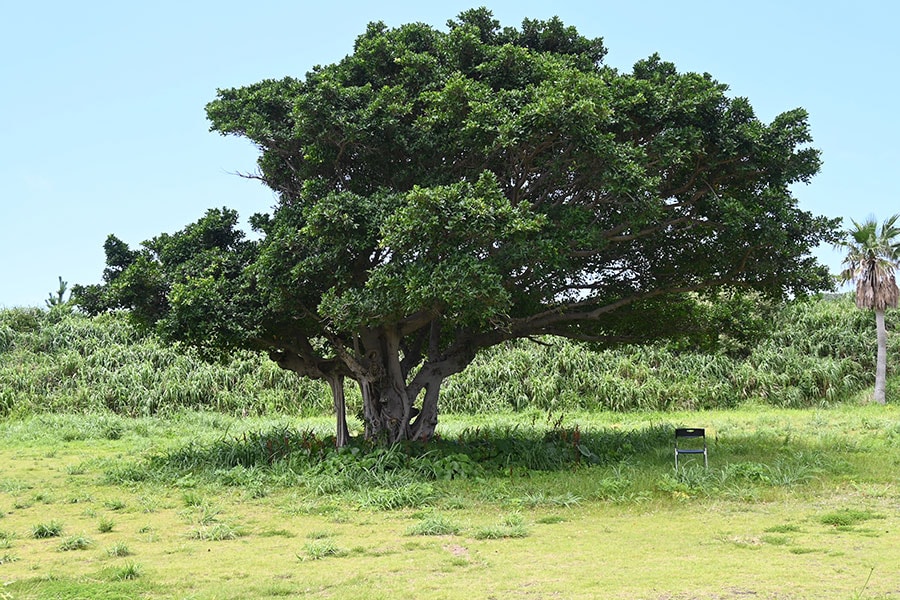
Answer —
(53, 362)
(819, 351)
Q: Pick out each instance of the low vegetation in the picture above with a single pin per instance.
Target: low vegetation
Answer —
(132, 469)
(803, 354)
(795, 503)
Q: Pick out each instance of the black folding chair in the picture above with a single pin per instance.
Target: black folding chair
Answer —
(695, 433)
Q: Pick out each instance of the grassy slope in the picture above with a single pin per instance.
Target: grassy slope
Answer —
(797, 504)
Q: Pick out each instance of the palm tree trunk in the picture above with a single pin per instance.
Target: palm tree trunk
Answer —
(881, 361)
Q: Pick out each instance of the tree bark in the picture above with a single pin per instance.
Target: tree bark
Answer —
(881, 359)
(423, 428)
(383, 410)
(389, 406)
(400, 384)
(342, 436)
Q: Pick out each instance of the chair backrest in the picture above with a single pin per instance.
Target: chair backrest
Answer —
(689, 432)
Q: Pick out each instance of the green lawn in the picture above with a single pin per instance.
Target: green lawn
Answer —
(796, 504)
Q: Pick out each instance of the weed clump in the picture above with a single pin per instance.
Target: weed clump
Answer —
(127, 473)
(115, 504)
(6, 539)
(105, 525)
(392, 498)
(46, 530)
(78, 542)
(319, 549)
(434, 524)
(848, 517)
(118, 550)
(216, 533)
(127, 572)
(510, 526)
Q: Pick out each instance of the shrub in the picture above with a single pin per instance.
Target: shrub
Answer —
(816, 351)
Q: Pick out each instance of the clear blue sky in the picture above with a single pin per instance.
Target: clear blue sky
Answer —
(103, 128)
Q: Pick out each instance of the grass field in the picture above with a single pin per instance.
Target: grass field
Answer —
(795, 504)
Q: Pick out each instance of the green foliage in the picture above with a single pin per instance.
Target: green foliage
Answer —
(815, 352)
(215, 532)
(402, 494)
(127, 572)
(192, 499)
(453, 466)
(319, 535)
(6, 539)
(124, 473)
(115, 504)
(57, 300)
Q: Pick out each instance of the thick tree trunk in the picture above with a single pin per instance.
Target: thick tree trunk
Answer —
(342, 437)
(390, 412)
(400, 384)
(383, 411)
(881, 360)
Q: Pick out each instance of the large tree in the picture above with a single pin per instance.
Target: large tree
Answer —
(873, 254)
(442, 191)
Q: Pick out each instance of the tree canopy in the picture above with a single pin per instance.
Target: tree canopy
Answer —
(442, 191)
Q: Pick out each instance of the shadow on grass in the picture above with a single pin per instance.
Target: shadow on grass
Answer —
(483, 449)
(479, 452)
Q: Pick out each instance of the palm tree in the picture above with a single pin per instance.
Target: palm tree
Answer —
(872, 256)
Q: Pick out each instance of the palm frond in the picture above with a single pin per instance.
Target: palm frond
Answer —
(872, 256)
